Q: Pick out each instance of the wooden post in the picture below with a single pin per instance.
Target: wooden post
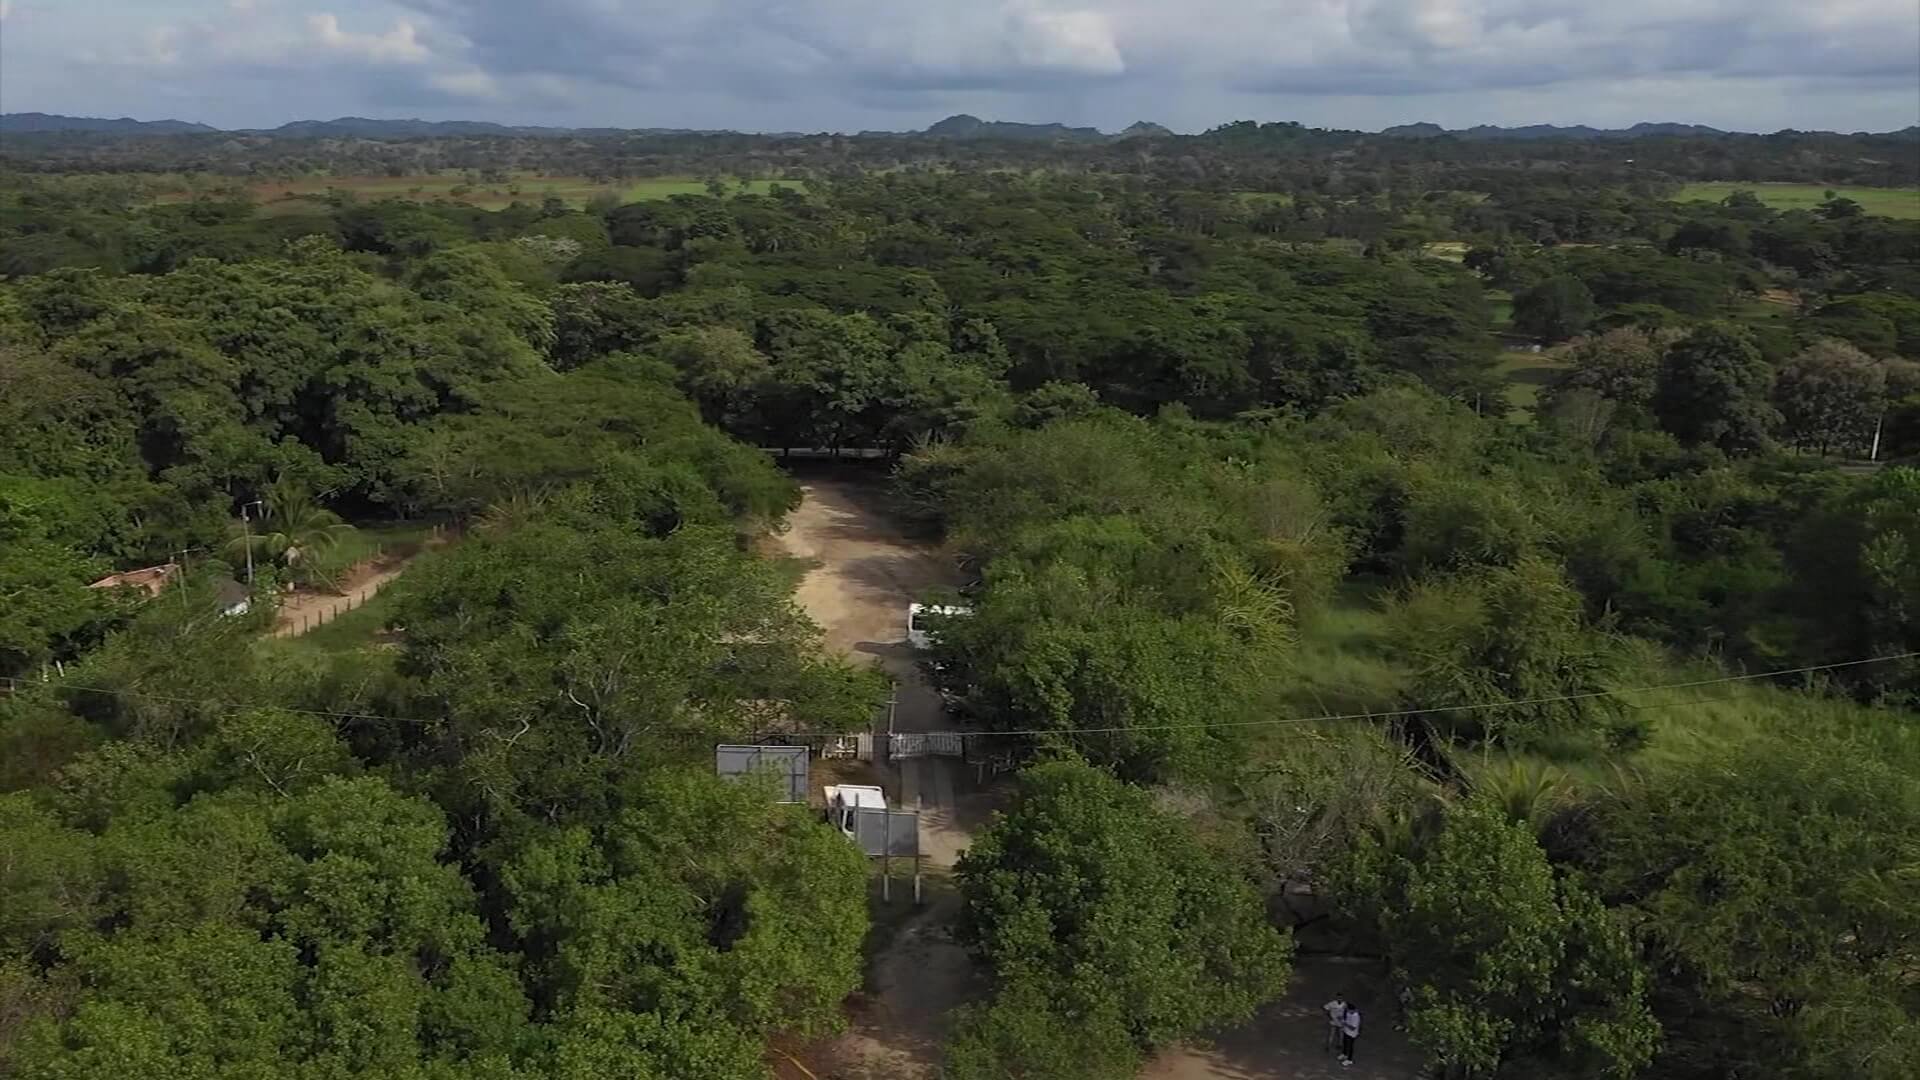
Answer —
(886, 857)
(918, 809)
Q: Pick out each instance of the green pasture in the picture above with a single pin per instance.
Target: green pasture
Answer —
(1886, 202)
(1526, 374)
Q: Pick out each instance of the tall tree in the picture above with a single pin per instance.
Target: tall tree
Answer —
(1504, 962)
(1713, 390)
(1555, 309)
(1139, 928)
(1830, 396)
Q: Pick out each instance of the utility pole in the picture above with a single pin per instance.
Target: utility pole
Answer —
(246, 532)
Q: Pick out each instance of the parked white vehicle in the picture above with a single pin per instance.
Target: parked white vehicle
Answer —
(844, 799)
(919, 628)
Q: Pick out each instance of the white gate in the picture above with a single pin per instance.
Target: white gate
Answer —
(913, 744)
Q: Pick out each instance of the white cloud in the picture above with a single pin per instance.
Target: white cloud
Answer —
(473, 83)
(1078, 41)
(163, 45)
(398, 45)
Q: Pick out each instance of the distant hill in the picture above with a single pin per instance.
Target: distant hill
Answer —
(963, 126)
(360, 127)
(1550, 131)
(26, 122)
(959, 127)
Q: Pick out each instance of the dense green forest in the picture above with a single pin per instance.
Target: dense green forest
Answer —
(1590, 715)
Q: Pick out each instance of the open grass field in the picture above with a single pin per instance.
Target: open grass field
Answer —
(1526, 374)
(1886, 202)
(520, 187)
(1344, 665)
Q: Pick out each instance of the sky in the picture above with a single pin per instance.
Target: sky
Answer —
(850, 65)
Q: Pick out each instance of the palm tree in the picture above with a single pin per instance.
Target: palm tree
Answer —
(296, 532)
(1529, 792)
(518, 507)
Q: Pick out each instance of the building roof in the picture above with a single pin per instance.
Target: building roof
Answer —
(151, 579)
(230, 592)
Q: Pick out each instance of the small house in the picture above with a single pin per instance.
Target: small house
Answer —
(150, 580)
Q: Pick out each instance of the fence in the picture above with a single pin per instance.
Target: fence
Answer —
(291, 624)
(913, 744)
(788, 763)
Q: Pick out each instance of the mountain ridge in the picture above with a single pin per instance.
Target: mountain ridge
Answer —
(958, 127)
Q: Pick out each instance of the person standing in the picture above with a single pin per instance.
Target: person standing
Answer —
(1335, 1010)
(1349, 1031)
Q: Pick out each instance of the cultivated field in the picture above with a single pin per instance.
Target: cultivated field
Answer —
(1887, 202)
(521, 187)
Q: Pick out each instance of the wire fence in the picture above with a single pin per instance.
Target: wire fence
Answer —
(292, 625)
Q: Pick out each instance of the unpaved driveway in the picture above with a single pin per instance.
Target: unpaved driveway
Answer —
(1285, 1042)
(303, 610)
(866, 572)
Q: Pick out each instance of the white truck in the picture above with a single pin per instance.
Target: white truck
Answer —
(920, 627)
(844, 799)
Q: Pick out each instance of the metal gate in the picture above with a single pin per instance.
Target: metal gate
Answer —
(913, 744)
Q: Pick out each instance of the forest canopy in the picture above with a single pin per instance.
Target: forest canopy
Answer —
(1518, 562)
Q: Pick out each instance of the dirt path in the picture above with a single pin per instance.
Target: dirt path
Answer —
(301, 611)
(1285, 1041)
(866, 573)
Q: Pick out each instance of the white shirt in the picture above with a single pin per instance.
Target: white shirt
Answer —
(1350, 1023)
(1334, 1010)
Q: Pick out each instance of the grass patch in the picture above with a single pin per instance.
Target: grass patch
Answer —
(1886, 202)
(1342, 663)
(1501, 301)
(352, 631)
(399, 539)
(1526, 374)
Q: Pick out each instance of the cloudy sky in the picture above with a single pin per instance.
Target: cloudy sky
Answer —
(845, 65)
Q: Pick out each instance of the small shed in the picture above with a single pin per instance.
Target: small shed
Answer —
(233, 597)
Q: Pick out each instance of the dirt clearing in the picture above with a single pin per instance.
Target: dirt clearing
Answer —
(864, 572)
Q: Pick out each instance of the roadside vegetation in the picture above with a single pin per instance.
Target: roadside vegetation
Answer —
(1576, 685)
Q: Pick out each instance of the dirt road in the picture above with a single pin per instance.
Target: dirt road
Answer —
(303, 610)
(866, 572)
(1285, 1042)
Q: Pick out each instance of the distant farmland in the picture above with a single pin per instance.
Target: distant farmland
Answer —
(576, 190)
(1886, 202)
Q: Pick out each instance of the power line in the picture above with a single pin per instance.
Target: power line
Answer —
(1390, 714)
